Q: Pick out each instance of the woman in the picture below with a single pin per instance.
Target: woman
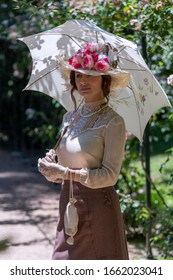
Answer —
(90, 154)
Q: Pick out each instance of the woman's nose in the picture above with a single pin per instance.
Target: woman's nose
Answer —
(84, 80)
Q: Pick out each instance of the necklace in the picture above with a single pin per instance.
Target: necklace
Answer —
(91, 111)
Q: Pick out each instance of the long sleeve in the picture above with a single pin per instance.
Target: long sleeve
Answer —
(107, 174)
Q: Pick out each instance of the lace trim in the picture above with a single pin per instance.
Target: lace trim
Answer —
(89, 111)
(81, 124)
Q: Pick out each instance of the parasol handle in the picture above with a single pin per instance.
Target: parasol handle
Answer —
(65, 129)
(60, 138)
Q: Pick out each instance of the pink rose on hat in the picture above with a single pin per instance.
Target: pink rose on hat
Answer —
(91, 47)
(102, 66)
(90, 57)
(76, 60)
(95, 56)
(87, 62)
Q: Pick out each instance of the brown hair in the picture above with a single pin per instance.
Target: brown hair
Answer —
(106, 84)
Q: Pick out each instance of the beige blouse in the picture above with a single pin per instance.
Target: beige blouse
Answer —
(94, 143)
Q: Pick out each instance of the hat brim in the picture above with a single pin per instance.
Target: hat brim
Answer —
(119, 78)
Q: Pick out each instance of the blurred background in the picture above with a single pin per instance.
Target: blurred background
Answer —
(30, 121)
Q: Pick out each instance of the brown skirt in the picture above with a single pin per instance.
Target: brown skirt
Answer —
(101, 234)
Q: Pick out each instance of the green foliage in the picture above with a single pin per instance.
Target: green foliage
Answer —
(163, 237)
(131, 187)
(169, 158)
(37, 118)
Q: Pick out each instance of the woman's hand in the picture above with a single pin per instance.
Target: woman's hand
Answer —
(51, 156)
(53, 172)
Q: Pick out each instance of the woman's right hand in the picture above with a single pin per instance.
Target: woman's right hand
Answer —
(51, 156)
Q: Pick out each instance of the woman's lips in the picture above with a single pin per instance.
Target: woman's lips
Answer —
(84, 88)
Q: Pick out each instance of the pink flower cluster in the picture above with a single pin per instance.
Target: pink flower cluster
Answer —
(170, 80)
(90, 58)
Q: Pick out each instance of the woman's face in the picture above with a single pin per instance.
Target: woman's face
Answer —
(89, 87)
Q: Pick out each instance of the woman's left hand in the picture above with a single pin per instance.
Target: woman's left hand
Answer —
(52, 171)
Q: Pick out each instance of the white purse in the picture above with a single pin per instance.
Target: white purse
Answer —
(71, 217)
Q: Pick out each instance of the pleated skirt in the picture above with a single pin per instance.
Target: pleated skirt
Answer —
(101, 234)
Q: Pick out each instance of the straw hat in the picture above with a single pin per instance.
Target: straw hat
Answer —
(96, 60)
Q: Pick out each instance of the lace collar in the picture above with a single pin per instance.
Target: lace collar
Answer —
(92, 108)
(95, 104)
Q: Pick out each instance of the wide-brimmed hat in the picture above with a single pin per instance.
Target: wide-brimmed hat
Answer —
(96, 60)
